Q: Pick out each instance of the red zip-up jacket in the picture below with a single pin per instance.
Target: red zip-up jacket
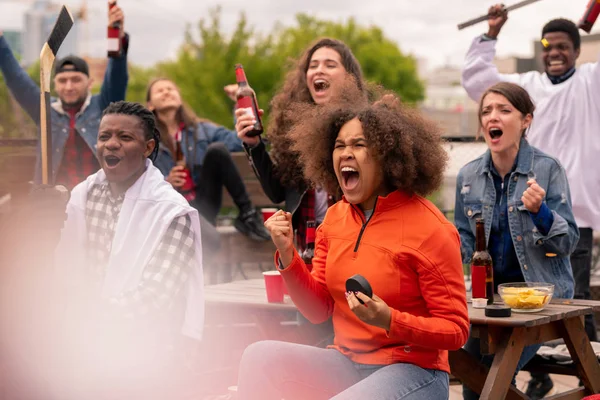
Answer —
(410, 254)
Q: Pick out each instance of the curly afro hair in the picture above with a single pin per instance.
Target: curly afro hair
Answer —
(407, 145)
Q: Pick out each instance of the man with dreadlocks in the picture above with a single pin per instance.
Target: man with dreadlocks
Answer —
(130, 259)
(566, 125)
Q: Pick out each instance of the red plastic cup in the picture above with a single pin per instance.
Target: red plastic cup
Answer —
(268, 213)
(274, 286)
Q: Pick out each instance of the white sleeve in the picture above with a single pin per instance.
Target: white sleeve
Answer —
(596, 78)
(479, 71)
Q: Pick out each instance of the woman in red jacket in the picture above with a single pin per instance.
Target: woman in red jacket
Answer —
(383, 158)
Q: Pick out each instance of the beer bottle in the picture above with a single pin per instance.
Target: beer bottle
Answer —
(114, 35)
(246, 98)
(309, 251)
(188, 189)
(589, 17)
(482, 272)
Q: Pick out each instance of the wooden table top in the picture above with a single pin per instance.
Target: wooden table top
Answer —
(251, 293)
(244, 293)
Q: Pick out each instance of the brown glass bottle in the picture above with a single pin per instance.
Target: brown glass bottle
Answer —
(114, 36)
(246, 98)
(309, 251)
(188, 189)
(589, 17)
(482, 272)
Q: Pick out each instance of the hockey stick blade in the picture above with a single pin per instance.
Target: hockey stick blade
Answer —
(63, 25)
(61, 28)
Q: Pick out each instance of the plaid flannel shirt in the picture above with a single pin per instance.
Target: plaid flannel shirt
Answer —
(167, 270)
(78, 161)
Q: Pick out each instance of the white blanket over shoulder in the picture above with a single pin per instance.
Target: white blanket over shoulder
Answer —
(150, 205)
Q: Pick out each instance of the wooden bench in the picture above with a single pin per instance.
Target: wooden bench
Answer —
(255, 191)
(237, 250)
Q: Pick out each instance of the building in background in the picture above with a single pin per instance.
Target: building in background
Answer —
(448, 103)
(11, 23)
(38, 22)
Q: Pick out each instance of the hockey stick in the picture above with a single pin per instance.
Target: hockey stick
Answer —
(486, 16)
(61, 28)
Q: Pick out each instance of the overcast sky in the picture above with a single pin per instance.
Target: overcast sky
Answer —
(424, 28)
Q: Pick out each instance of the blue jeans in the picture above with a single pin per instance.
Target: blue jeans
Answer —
(272, 370)
(472, 347)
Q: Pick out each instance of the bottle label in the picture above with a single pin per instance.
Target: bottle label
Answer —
(478, 278)
(113, 44)
(310, 235)
(246, 103)
(188, 189)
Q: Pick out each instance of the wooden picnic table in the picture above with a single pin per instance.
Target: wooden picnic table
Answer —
(246, 301)
(506, 338)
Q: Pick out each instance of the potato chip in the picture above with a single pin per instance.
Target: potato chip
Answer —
(525, 298)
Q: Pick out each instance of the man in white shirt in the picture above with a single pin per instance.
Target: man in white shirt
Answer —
(130, 265)
(566, 125)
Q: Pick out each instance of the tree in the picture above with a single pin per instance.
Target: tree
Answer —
(205, 64)
(14, 121)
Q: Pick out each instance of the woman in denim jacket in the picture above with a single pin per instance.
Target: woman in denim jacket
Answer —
(523, 196)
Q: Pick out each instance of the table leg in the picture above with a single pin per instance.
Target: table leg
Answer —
(582, 353)
(473, 374)
(504, 365)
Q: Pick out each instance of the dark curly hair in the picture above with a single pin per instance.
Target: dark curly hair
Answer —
(146, 118)
(408, 146)
(283, 117)
(566, 26)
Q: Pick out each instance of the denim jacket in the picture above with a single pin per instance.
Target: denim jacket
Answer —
(543, 258)
(195, 143)
(27, 93)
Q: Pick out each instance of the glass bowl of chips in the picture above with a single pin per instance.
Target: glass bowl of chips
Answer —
(526, 296)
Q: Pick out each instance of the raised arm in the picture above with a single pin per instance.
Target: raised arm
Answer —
(259, 157)
(116, 76)
(595, 86)
(264, 169)
(479, 71)
(22, 87)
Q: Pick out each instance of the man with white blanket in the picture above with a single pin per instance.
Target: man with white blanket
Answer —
(566, 125)
(130, 259)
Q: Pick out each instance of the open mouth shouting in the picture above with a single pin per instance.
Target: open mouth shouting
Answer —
(495, 134)
(557, 67)
(350, 178)
(111, 161)
(320, 89)
(320, 85)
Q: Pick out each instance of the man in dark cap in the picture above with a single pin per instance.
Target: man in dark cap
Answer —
(76, 114)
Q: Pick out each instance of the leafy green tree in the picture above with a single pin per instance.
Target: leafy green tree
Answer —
(205, 62)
